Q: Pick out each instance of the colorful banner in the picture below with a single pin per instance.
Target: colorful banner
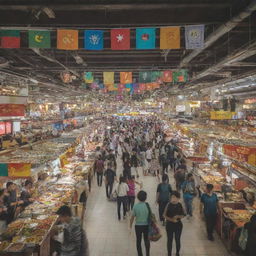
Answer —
(194, 36)
(156, 75)
(180, 76)
(3, 170)
(67, 39)
(39, 39)
(167, 76)
(240, 153)
(142, 87)
(112, 87)
(145, 38)
(7, 110)
(10, 39)
(222, 115)
(108, 77)
(88, 77)
(125, 77)
(170, 38)
(93, 40)
(120, 88)
(19, 170)
(120, 39)
(145, 77)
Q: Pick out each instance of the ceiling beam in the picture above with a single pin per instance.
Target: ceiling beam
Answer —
(114, 7)
(222, 30)
(244, 53)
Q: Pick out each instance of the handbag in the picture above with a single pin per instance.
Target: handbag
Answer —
(154, 233)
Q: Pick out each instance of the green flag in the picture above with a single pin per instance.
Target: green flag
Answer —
(39, 39)
(145, 77)
(180, 76)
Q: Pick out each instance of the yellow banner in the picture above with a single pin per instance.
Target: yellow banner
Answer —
(19, 170)
(222, 115)
(170, 38)
(108, 77)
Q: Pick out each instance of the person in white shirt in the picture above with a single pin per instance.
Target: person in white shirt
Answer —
(149, 158)
(121, 192)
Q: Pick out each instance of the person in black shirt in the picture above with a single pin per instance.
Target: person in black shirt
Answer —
(110, 177)
(3, 213)
(10, 200)
(25, 195)
(173, 214)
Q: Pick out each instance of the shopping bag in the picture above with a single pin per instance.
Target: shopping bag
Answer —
(242, 241)
(154, 233)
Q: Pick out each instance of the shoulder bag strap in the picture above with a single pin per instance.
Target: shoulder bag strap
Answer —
(149, 213)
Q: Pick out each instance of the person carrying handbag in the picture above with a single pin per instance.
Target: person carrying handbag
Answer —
(141, 215)
(189, 192)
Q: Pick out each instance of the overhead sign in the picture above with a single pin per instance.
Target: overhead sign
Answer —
(7, 110)
(180, 108)
(195, 104)
(240, 153)
(222, 115)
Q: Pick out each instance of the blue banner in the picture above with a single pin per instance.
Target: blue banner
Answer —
(145, 38)
(93, 40)
(194, 36)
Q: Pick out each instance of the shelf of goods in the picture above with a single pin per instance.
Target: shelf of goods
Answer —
(30, 234)
(235, 211)
(232, 181)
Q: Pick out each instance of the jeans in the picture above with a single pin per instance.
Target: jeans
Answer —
(210, 224)
(161, 208)
(109, 188)
(131, 200)
(139, 231)
(188, 201)
(99, 178)
(176, 230)
(121, 200)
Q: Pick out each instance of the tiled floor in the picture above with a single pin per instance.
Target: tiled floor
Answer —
(109, 237)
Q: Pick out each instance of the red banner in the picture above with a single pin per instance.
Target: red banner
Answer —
(240, 153)
(12, 110)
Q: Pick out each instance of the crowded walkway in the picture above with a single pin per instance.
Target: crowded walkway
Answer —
(109, 236)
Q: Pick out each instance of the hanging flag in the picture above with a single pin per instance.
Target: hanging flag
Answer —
(128, 87)
(170, 38)
(112, 87)
(108, 77)
(167, 76)
(93, 39)
(180, 76)
(194, 36)
(156, 75)
(39, 39)
(145, 77)
(125, 77)
(120, 88)
(10, 39)
(145, 38)
(67, 39)
(142, 87)
(120, 39)
(88, 77)
(3, 170)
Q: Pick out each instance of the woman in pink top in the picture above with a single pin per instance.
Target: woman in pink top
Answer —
(131, 182)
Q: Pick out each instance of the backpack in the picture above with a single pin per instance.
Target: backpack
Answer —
(242, 241)
(99, 166)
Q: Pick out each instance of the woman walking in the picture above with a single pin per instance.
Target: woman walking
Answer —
(189, 191)
(121, 191)
(173, 214)
(140, 213)
(163, 195)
